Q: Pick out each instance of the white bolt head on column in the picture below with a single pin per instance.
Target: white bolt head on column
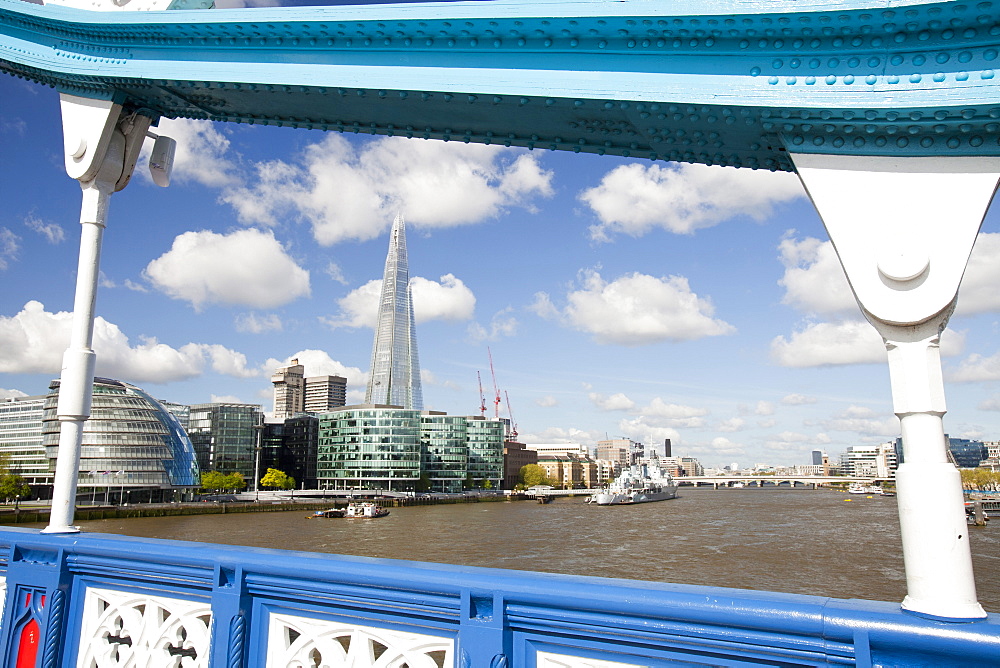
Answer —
(903, 262)
(905, 256)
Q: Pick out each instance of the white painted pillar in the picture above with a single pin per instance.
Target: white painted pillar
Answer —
(903, 229)
(101, 150)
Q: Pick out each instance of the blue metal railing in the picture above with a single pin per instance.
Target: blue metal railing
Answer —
(106, 600)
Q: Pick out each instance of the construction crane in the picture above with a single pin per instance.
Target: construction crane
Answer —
(482, 397)
(513, 424)
(496, 399)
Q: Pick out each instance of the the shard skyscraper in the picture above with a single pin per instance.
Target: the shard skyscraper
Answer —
(395, 369)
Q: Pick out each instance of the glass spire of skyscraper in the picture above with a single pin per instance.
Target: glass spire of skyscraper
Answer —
(395, 370)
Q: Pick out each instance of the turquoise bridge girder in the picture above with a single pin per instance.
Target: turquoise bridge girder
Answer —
(726, 83)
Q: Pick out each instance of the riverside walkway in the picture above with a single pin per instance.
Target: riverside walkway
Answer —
(888, 111)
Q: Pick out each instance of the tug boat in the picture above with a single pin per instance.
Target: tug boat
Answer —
(365, 509)
(641, 483)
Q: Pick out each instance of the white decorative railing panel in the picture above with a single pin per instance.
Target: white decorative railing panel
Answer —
(127, 630)
(301, 642)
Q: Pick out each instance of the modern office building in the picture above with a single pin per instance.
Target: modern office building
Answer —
(394, 379)
(617, 450)
(299, 449)
(296, 393)
(324, 393)
(372, 447)
(369, 447)
(486, 438)
(966, 453)
(133, 449)
(444, 451)
(289, 390)
(870, 461)
(21, 439)
(225, 436)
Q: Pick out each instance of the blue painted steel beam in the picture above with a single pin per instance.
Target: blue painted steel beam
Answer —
(732, 82)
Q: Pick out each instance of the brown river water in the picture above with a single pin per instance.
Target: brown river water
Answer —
(789, 540)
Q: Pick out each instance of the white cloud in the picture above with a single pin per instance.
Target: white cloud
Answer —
(790, 441)
(135, 287)
(427, 377)
(449, 299)
(253, 323)
(549, 401)
(201, 155)
(10, 394)
(766, 423)
(562, 435)
(863, 421)
(616, 402)
(639, 429)
(764, 408)
(33, 341)
(797, 400)
(814, 281)
(635, 199)
(52, 232)
(661, 409)
(502, 324)
(335, 273)
(319, 363)
(732, 424)
(990, 404)
(723, 447)
(9, 245)
(246, 267)
(446, 299)
(976, 368)
(345, 192)
(225, 399)
(637, 309)
(847, 342)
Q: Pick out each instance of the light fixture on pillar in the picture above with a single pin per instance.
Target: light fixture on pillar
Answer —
(161, 159)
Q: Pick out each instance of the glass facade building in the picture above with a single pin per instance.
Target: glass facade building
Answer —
(21, 439)
(444, 451)
(369, 447)
(485, 443)
(395, 369)
(225, 436)
(391, 448)
(133, 448)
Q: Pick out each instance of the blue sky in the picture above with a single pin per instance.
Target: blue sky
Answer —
(619, 297)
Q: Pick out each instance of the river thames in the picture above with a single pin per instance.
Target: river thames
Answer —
(790, 540)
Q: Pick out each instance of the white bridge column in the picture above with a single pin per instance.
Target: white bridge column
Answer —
(903, 229)
(100, 152)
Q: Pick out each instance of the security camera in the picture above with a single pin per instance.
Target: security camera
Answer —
(161, 160)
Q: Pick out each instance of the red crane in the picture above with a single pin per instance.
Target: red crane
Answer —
(482, 397)
(513, 424)
(496, 400)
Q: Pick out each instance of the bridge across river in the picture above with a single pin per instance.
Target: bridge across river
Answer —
(888, 111)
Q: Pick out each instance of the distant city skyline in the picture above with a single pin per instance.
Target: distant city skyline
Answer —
(620, 297)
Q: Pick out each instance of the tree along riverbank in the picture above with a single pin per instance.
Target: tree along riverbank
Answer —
(41, 514)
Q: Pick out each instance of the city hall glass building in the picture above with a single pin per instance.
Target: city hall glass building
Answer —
(133, 448)
(378, 447)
